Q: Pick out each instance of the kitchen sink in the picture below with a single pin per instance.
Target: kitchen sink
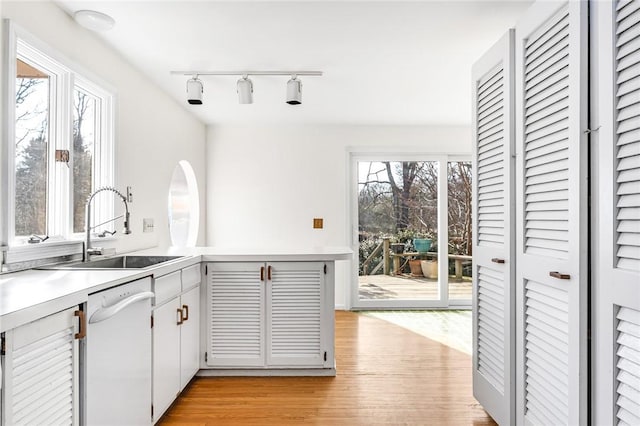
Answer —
(119, 262)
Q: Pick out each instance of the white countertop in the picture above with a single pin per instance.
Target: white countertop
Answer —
(32, 294)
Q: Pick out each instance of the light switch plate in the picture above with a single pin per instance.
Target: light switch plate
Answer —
(147, 225)
(317, 223)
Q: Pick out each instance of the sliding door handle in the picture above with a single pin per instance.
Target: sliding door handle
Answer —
(497, 260)
(559, 276)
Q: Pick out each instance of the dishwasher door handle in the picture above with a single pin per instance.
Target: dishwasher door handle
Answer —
(106, 313)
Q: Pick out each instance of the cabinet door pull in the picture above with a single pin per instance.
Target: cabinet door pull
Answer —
(180, 317)
(497, 260)
(269, 273)
(82, 331)
(185, 308)
(560, 276)
(262, 273)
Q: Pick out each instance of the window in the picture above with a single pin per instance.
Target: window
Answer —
(62, 148)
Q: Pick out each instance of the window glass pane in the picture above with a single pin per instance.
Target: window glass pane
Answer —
(85, 131)
(460, 226)
(31, 139)
(398, 230)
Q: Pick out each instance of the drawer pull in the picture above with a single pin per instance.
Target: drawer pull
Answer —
(180, 317)
(497, 260)
(82, 331)
(185, 308)
(560, 276)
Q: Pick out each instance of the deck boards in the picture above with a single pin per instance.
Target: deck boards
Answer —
(387, 375)
(405, 287)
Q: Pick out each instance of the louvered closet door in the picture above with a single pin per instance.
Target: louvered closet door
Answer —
(617, 190)
(493, 298)
(41, 372)
(295, 294)
(551, 226)
(235, 294)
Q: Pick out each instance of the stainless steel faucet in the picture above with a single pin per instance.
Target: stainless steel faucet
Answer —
(88, 250)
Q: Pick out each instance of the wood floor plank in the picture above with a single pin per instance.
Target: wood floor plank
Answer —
(387, 375)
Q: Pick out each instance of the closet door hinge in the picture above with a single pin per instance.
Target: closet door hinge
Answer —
(206, 356)
(3, 346)
(151, 321)
(325, 355)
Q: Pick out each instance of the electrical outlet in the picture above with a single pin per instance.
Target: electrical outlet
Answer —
(317, 223)
(147, 225)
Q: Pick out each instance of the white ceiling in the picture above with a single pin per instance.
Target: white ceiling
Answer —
(403, 63)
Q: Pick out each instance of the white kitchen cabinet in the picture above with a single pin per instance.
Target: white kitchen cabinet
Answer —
(190, 336)
(176, 332)
(270, 315)
(41, 370)
(166, 356)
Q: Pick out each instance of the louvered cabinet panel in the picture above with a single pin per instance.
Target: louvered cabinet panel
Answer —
(552, 214)
(627, 386)
(546, 354)
(41, 372)
(490, 159)
(493, 219)
(294, 314)
(491, 324)
(628, 135)
(235, 314)
(546, 141)
(616, 283)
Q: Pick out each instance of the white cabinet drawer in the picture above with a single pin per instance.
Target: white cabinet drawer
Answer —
(167, 287)
(191, 277)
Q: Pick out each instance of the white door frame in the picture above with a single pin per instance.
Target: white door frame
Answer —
(406, 154)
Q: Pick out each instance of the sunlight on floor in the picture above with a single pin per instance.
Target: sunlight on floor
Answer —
(451, 328)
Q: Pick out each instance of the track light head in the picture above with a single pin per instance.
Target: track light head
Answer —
(245, 90)
(194, 91)
(294, 91)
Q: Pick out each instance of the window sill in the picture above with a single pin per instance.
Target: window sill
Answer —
(27, 256)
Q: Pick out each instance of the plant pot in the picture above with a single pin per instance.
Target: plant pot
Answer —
(397, 248)
(422, 245)
(416, 268)
(429, 268)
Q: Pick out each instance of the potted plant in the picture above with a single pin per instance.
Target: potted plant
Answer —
(397, 248)
(416, 268)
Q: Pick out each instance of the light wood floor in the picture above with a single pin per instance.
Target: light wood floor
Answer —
(387, 375)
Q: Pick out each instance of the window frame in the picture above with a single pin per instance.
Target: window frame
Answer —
(66, 76)
(355, 155)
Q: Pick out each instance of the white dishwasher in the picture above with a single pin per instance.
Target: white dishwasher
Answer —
(118, 355)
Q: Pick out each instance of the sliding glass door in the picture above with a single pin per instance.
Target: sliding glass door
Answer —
(412, 231)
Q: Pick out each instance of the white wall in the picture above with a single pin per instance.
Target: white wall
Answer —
(266, 184)
(153, 132)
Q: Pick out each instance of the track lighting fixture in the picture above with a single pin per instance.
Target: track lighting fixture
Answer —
(245, 90)
(294, 91)
(244, 85)
(194, 91)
